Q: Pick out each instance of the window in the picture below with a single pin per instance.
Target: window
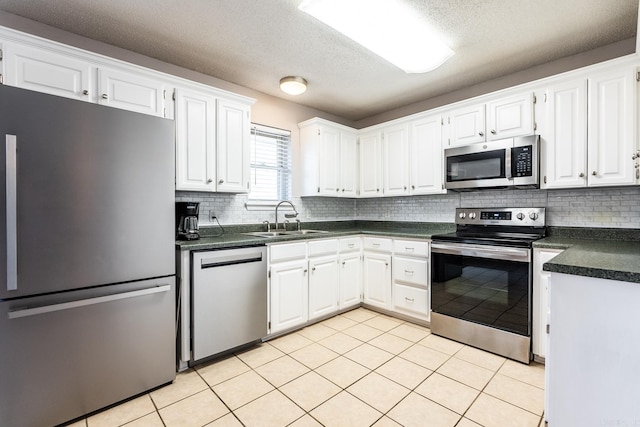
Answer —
(270, 164)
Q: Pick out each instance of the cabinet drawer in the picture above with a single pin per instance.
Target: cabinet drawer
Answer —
(350, 244)
(287, 252)
(411, 247)
(410, 299)
(322, 247)
(411, 270)
(378, 244)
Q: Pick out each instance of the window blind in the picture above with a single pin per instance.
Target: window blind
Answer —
(270, 163)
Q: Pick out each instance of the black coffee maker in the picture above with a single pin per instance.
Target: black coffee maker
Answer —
(187, 220)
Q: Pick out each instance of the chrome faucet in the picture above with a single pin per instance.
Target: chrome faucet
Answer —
(287, 215)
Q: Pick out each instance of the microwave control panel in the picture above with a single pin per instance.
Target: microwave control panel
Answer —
(522, 161)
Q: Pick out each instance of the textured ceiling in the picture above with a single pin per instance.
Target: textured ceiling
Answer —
(254, 43)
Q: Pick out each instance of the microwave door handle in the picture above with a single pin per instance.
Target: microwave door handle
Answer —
(507, 164)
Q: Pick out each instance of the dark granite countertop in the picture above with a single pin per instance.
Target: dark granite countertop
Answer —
(601, 253)
(234, 237)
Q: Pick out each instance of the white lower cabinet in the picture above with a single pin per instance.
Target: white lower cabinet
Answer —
(541, 299)
(376, 272)
(289, 295)
(324, 286)
(288, 286)
(350, 266)
(410, 288)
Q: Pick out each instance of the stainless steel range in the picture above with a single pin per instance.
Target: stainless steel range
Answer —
(481, 279)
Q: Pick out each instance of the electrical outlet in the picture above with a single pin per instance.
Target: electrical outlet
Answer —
(212, 216)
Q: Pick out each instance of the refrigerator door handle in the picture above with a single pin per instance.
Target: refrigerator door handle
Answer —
(26, 312)
(11, 214)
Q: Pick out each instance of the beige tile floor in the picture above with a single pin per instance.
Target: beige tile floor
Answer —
(359, 368)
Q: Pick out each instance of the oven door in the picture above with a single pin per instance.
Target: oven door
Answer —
(488, 285)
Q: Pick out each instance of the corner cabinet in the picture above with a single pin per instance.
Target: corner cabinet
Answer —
(329, 159)
(212, 142)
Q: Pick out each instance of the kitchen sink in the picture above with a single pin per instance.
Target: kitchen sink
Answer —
(268, 234)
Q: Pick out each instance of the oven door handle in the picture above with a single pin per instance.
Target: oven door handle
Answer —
(482, 251)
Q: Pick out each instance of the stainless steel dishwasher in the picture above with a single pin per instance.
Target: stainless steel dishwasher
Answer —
(229, 299)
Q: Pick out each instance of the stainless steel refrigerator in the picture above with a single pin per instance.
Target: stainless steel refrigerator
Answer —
(87, 266)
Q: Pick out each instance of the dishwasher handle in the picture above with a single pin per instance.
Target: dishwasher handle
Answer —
(233, 259)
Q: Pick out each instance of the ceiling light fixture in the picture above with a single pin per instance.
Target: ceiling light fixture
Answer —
(293, 85)
(388, 28)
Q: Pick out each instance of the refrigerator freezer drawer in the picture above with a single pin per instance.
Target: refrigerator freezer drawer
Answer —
(75, 352)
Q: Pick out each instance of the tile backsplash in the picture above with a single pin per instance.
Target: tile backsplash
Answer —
(603, 208)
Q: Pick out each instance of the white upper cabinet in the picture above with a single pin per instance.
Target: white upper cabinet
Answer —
(348, 164)
(195, 141)
(395, 160)
(564, 148)
(233, 133)
(466, 125)
(131, 91)
(511, 116)
(329, 159)
(501, 118)
(611, 130)
(371, 164)
(426, 155)
(49, 72)
(590, 136)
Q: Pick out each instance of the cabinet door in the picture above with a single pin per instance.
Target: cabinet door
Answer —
(466, 125)
(426, 156)
(348, 164)
(509, 117)
(350, 280)
(612, 98)
(395, 171)
(232, 140)
(49, 72)
(195, 141)
(376, 279)
(541, 299)
(565, 151)
(371, 165)
(324, 286)
(329, 163)
(130, 91)
(289, 295)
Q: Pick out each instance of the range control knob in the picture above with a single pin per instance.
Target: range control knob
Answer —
(520, 216)
(533, 216)
(472, 215)
(462, 215)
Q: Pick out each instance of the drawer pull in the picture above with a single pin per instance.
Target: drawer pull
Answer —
(351, 245)
(409, 299)
(408, 272)
(409, 249)
(375, 245)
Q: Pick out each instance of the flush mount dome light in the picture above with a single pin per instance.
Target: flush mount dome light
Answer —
(389, 28)
(293, 85)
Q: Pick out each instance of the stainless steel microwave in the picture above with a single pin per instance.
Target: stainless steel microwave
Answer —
(504, 163)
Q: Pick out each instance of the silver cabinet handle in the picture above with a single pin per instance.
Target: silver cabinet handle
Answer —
(594, 173)
(409, 299)
(480, 133)
(409, 272)
(493, 131)
(209, 181)
(221, 181)
(408, 248)
(85, 92)
(84, 302)
(581, 175)
(105, 96)
(351, 245)
(12, 217)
